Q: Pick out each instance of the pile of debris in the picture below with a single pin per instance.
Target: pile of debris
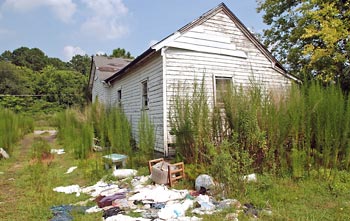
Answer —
(124, 199)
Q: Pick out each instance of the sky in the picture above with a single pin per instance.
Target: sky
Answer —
(64, 28)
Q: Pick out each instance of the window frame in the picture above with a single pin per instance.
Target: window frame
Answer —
(220, 77)
(119, 97)
(144, 95)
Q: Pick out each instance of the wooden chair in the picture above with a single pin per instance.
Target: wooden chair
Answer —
(174, 171)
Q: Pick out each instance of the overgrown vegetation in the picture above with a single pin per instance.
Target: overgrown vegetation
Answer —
(304, 131)
(111, 130)
(12, 128)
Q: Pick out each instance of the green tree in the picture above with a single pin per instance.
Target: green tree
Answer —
(80, 63)
(121, 53)
(64, 87)
(310, 37)
(58, 63)
(15, 80)
(32, 58)
(6, 56)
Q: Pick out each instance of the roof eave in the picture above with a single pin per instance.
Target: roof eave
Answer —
(142, 57)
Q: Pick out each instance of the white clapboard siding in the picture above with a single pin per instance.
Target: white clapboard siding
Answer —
(130, 85)
(99, 90)
(216, 48)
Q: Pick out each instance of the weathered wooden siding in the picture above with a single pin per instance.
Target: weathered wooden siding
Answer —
(131, 84)
(217, 48)
(99, 90)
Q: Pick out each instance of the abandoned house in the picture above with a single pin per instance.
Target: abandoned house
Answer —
(216, 47)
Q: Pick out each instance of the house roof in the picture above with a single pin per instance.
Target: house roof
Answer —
(221, 7)
(107, 66)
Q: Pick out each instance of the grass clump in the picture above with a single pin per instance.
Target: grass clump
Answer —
(12, 128)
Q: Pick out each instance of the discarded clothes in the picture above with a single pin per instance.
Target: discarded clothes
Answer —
(62, 212)
(103, 201)
(111, 212)
(68, 189)
(100, 187)
(158, 193)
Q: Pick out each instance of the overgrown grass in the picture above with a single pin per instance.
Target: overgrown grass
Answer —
(12, 128)
(27, 186)
(110, 126)
(292, 133)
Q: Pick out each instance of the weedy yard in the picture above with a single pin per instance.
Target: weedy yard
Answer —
(298, 146)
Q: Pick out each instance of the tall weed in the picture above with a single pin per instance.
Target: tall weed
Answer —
(12, 128)
(290, 133)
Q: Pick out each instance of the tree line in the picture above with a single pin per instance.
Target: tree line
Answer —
(310, 38)
(30, 81)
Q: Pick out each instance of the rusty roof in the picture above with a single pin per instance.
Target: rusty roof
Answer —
(107, 66)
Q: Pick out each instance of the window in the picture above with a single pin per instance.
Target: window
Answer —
(144, 95)
(119, 98)
(222, 85)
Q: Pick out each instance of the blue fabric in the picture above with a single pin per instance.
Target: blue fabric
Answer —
(62, 212)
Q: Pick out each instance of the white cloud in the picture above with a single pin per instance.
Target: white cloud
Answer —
(107, 8)
(104, 20)
(152, 42)
(100, 53)
(63, 9)
(69, 51)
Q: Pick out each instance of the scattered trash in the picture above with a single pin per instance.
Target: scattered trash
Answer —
(204, 181)
(175, 210)
(158, 193)
(71, 169)
(207, 207)
(232, 217)
(250, 178)
(159, 172)
(157, 205)
(62, 212)
(266, 212)
(103, 201)
(68, 189)
(40, 132)
(250, 210)
(227, 203)
(152, 202)
(121, 217)
(123, 173)
(112, 212)
(94, 209)
(163, 172)
(57, 151)
(4, 154)
(100, 188)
